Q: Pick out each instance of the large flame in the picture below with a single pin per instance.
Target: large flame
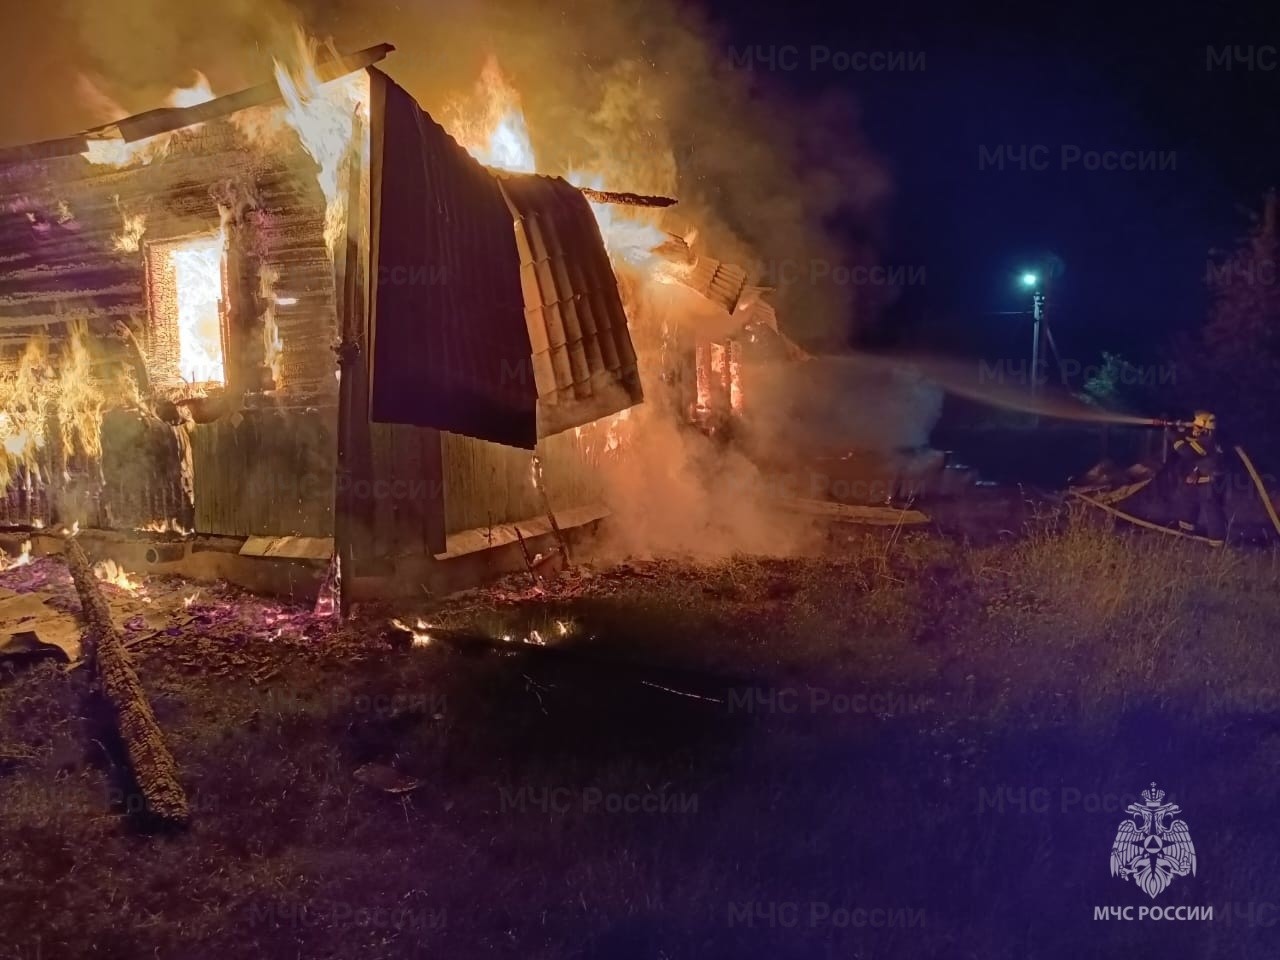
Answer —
(323, 115)
(40, 391)
(115, 152)
(197, 269)
(187, 292)
(491, 127)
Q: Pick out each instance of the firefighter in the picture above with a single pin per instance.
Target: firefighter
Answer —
(1199, 494)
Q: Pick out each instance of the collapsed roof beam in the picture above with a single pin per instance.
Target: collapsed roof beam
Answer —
(169, 119)
(630, 199)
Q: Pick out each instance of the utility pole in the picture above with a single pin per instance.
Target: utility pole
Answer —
(1032, 282)
(1038, 318)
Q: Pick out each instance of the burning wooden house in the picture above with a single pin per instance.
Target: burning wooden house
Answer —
(300, 322)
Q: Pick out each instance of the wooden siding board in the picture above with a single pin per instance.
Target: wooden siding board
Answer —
(487, 483)
(266, 473)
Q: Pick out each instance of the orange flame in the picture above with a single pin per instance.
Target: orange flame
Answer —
(113, 151)
(323, 116)
(108, 571)
(194, 95)
(21, 560)
(494, 132)
(419, 631)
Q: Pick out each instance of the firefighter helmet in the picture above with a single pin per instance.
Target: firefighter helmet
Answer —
(1204, 420)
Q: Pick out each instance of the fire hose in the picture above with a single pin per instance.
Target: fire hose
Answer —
(1261, 488)
(1137, 520)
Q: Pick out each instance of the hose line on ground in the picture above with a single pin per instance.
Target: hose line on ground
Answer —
(1262, 490)
(1138, 520)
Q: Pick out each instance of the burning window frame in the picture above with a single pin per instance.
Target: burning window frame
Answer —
(164, 330)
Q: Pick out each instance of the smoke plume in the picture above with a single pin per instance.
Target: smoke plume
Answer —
(645, 94)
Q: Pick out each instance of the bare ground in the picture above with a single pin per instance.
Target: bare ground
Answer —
(911, 747)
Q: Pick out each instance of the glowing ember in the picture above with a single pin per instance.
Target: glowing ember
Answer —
(330, 590)
(535, 637)
(735, 376)
(189, 600)
(421, 638)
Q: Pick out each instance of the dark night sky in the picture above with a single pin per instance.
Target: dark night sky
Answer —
(1134, 244)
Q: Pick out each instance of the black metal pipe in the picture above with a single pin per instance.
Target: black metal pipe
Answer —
(166, 552)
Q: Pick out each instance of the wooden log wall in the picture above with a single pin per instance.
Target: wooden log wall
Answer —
(73, 246)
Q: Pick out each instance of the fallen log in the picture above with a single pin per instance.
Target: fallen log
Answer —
(150, 761)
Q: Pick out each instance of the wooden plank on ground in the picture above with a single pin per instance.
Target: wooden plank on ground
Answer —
(853, 513)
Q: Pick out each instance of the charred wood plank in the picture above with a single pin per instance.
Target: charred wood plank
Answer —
(629, 199)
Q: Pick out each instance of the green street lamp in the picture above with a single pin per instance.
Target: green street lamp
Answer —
(1031, 281)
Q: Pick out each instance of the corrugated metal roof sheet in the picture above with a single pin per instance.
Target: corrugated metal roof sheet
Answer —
(755, 309)
(720, 283)
(450, 344)
(584, 364)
